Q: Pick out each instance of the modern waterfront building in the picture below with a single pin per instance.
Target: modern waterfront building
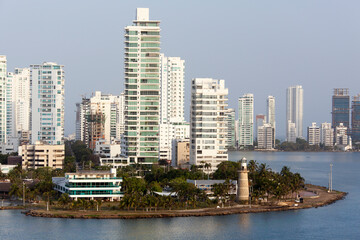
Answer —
(90, 185)
(355, 119)
(208, 122)
(327, 135)
(294, 112)
(142, 89)
(341, 107)
(41, 155)
(47, 103)
(270, 111)
(246, 120)
(230, 121)
(341, 136)
(3, 77)
(313, 134)
(266, 137)
(99, 118)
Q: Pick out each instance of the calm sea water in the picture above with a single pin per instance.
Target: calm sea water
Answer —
(337, 221)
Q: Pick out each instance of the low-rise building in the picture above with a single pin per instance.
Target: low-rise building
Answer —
(181, 156)
(207, 185)
(42, 155)
(90, 185)
(115, 162)
(108, 149)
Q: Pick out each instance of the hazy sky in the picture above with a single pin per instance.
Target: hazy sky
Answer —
(258, 47)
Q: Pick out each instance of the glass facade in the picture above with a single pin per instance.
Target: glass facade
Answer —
(340, 107)
(355, 119)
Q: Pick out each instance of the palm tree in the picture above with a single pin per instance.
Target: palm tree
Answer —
(98, 204)
(208, 167)
(64, 200)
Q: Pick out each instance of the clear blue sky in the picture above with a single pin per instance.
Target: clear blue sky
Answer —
(259, 47)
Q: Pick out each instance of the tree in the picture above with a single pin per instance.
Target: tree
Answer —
(64, 200)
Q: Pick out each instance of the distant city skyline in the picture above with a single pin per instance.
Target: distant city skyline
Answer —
(277, 47)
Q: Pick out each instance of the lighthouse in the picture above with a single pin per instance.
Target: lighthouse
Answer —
(243, 182)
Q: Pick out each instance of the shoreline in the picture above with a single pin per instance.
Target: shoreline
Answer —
(322, 199)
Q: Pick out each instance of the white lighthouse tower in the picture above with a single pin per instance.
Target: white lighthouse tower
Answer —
(243, 182)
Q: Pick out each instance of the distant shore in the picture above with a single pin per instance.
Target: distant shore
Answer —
(322, 198)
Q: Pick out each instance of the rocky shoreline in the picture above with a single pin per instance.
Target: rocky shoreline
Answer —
(323, 198)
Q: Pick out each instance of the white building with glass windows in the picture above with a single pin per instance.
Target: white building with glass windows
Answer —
(18, 103)
(294, 111)
(246, 120)
(3, 77)
(142, 89)
(47, 103)
(90, 185)
(208, 136)
(313, 134)
(327, 134)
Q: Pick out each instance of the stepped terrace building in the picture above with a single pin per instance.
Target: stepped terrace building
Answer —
(90, 184)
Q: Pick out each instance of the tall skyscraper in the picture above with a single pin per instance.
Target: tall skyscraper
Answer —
(355, 119)
(10, 106)
(270, 111)
(341, 107)
(294, 112)
(208, 122)
(172, 89)
(47, 103)
(246, 120)
(142, 88)
(313, 134)
(3, 77)
(18, 103)
(230, 121)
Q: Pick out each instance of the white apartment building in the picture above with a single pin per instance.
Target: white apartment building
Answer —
(172, 91)
(47, 103)
(230, 135)
(208, 122)
(266, 137)
(3, 77)
(270, 111)
(313, 134)
(142, 88)
(18, 103)
(341, 136)
(246, 120)
(327, 135)
(294, 111)
(172, 70)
